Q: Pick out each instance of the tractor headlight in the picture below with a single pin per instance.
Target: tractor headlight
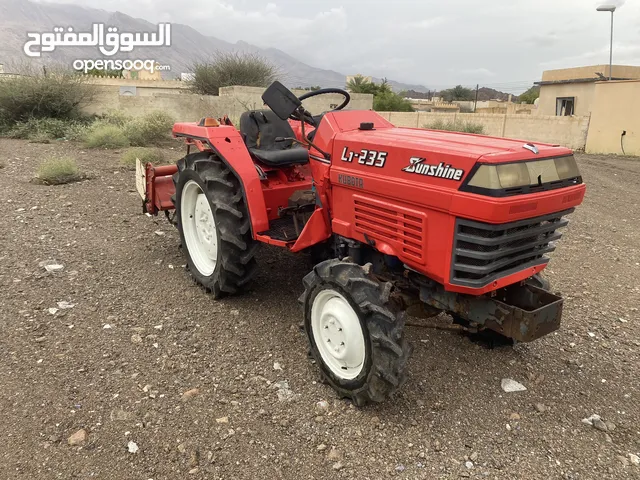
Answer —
(548, 173)
(567, 167)
(513, 175)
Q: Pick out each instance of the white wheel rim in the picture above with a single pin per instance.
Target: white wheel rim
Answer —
(199, 228)
(338, 334)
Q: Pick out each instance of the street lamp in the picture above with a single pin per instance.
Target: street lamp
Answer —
(609, 8)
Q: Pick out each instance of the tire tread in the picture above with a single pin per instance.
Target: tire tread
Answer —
(237, 247)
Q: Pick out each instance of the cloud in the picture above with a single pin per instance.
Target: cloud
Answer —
(540, 40)
(429, 43)
(476, 72)
(425, 24)
(271, 25)
(617, 3)
(622, 54)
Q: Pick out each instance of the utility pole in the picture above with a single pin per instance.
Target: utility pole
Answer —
(611, 47)
(475, 104)
(609, 8)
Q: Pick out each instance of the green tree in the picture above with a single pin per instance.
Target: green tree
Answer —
(391, 102)
(384, 98)
(530, 95)
(457, 93)
(359, 84)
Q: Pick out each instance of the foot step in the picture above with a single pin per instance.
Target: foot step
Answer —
(282, 229)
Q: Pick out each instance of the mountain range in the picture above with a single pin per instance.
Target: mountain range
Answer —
(17, 17)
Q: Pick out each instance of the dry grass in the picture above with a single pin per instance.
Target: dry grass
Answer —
(102, 135)
(465, 127)
(146, 155)
(151, 129)
(57, 171)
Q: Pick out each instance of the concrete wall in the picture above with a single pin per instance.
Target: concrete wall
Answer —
(619, 71)
(425, 105)
(174, 85)
(615, 109)
(583, 93)
(507, 108)
(567, 131)
(173, 98)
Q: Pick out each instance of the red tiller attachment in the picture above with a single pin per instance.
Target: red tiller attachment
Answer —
(155, 186)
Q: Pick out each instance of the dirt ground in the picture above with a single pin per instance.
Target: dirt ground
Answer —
(141, 334)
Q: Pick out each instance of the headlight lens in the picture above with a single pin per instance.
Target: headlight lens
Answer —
(523, 174)
(567, 168)
(513, 175)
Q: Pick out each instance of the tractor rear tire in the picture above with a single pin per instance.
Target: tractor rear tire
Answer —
(214, 224)
(355, 332)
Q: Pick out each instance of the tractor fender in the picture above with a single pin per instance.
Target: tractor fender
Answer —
(226, 142)
(316, 230)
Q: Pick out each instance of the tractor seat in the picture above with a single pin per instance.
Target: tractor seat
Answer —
(260, 128)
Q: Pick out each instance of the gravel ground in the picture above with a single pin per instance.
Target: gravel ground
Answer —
(141, 334)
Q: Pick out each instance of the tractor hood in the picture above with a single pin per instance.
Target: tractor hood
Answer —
(480, 147)
(368, 145)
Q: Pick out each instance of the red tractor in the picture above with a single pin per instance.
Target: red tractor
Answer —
(397, 219)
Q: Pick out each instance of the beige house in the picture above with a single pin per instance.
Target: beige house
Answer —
(571, 91)
(615, 122)
(142, 74)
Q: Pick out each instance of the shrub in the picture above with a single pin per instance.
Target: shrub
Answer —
(226, 69)
(77, 131)
(40, 128)
(58, 94)
(391, 102)
(152, 128)
(56, 171)
(471, 127)
(44, 129)
(465, 127)
(384, 98)
(105, 136)
(116, 117)
(146, 155)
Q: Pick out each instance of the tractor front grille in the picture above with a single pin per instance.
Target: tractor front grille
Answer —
(388, 222)
(483, 252)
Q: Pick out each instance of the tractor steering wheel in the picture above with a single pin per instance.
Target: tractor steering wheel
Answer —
(307, 117)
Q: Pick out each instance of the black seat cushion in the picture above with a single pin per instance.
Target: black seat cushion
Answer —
(297, 155)
(260, 128)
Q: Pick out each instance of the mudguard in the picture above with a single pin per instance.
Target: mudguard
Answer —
(227, 143)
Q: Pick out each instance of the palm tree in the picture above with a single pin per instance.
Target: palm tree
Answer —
(358, 84)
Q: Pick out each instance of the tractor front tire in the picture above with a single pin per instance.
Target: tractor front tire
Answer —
(213, 222)
(355, 332)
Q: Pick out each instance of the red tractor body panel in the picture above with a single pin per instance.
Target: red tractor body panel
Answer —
(369, 193)
(413, 216)
(226, 141)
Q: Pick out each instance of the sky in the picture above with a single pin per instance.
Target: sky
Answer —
(504, 44)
